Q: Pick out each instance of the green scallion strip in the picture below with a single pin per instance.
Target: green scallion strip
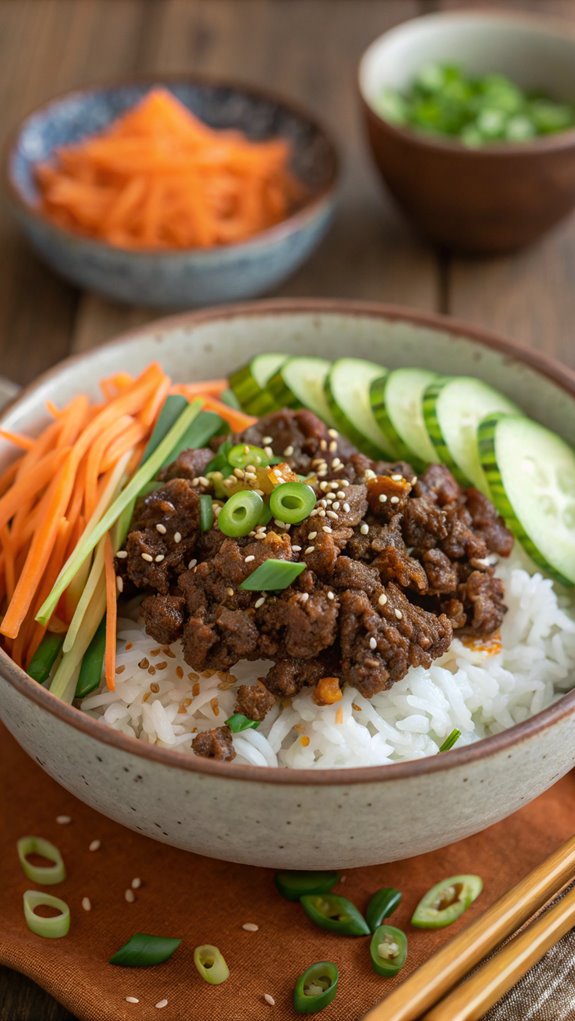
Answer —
(50, 928)
(44, 658)
(211, 964)
(220, 460)
(172, 408)
(450, 740)
(144, 951)
(88, 541)
(92, 664)
(272, 575)
(238, 722)
(198, 431)
(206, 512)
(46, 875)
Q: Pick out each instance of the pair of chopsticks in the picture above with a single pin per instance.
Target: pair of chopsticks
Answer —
(423, 991)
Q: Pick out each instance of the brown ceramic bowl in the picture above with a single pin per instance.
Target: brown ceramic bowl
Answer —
(492, 199)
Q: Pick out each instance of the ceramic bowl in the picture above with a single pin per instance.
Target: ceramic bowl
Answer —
(277, 817)
(490, 199)
(189, 277)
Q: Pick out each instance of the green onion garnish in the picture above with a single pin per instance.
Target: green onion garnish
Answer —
(228, 397)
(220, 460)
(45, 656)
(144, 951)
(450, 740)
(46, 875)
(242, 455)
(240, 513)
(206, 512)
(238, 722)
(92, 663)
(272, 575)
(292, 502)
(172, 408)
(198, 431)
(211, 965)
(51, 928)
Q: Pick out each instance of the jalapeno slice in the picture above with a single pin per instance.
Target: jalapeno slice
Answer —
(211, 964)
(337, 914)
(244, 454)
(293, 885)
(388, 949)
(382, 904)
(446, 901)
(316, 988)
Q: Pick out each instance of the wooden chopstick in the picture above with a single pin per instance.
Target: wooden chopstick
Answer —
(473, 998)
(455, 960)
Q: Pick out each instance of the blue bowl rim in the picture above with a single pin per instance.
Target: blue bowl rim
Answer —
(307, 212)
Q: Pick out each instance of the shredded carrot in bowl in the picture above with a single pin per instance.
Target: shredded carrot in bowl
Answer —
(158, 178)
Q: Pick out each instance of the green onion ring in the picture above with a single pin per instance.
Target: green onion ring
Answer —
(50, 928)
(243, 454)
(292, 502)
(47, 875)
(240, 513)
(211, 964)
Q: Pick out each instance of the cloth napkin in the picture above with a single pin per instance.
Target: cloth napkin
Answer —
(204, 901)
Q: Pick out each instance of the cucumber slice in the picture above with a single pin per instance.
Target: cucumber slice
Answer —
(250, 383)
(299, 383)
(397, 403)
(452, 410)
(531, 475)
(347, 390)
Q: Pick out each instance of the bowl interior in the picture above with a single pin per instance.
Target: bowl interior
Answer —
(536, 53)
(260, 115)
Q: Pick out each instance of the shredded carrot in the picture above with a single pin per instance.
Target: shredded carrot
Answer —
(111, 615)
(236, 419)
(214, 387)
(19, 441)
(159, 178)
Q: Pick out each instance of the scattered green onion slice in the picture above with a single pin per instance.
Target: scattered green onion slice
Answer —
(144, 951)
(388, 949)
(44, 658)
(337, 914)
(211, 964)
(53, 927)
(382, 905)
(206, 512)
(238, 722)
(450, 740)
(272, 575)
(266, 515)
(240, 513)
(446, 901)
(243, 454)
(92, 663)
(47, 875)
(292, 502)
(293, 885)
(316, 988)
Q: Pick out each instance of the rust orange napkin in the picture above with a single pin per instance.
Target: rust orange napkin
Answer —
(206, 901)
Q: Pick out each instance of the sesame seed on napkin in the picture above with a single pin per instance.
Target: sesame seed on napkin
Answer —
(203, 901)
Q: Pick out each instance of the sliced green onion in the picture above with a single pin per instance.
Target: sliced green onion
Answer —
(206, 512)
(240, 513)
(243, 455)
(238, 722)
(91, 538)
(272, 575)
(172, 408)
(93, 662)
(228, 397)
(46, 875)
(450, 740)
(220, 460)
(266, 515)
(316, 988)
(211, 964)
(292, 502)
(45, 656)
(51, 928)
(144, 951)
(196, 434)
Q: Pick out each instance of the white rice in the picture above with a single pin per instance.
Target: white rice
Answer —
(165, 703)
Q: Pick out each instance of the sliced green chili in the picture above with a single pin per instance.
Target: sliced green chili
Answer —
(293, 885)
(206, 512)
(53, 927)
(243, 454)
(92, 663)
(272, 575)
(337, 914)
(446, 901)
(238, 722)
(292, 502)
(43, 660)
(388, 949)
(240, 513)
(211, 965)
(316, 988)
(47, 875)
(450, 740)
(382, 904)
(144, 951)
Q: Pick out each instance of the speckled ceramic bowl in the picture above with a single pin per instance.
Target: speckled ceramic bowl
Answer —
(279, 817)
(188, 277)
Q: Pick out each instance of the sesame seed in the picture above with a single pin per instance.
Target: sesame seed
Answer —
(203, 480)
(332, 447)
(229, 591)
(159, 558)
(382, 599)
(161, 528)
(161, 1003)
(323, 444)
(148, 558)
(326, 528)
(296, 549)
(132, 999)
(154, 688)
(321, 513)
(119, 583)
(122, 554)
(95, 845)
(414, 480)
(331, 514)
(288, 451)
(330, 595)
(63, 820)
(309, 549)
(335, 504)
(364, 529)
(129, 896)
(191, 564)
(312, 535)
(304, 597)
(394, 499)
(259, 602)
(86, 903)
(239, 473)
(382, 498)
(346, 508)
(333, 433)
(269, 999)
(396, 478)
(268, 450)
(398, 614)
(248, 560)
(281, 524)
(344, 483)
(373, 643)
(267, 439)
(323, 486)
(177, 537)
(250, 926)
(136, 883)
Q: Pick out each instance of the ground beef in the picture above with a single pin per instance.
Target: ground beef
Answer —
(482, 596)
(488, 523)
(165, 531)
(215, 744)
(164, 617)
(190, 464)
(288, 676)
(254, 701)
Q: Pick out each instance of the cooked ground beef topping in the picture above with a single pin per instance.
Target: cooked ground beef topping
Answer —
(395, 565)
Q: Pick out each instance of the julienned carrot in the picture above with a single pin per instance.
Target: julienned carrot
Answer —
(213, 387)
(237, 420)
(24, 442)
(33, 633)
(111, 616)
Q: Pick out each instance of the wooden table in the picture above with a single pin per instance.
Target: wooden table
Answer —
(308, 49)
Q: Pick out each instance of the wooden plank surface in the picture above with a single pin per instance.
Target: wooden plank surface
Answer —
(308, 49)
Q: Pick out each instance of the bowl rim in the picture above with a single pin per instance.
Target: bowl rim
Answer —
(310, 208)
(561, 375)
(540, 146)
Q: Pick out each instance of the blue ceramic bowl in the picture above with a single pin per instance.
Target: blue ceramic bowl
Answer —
(188, 277)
